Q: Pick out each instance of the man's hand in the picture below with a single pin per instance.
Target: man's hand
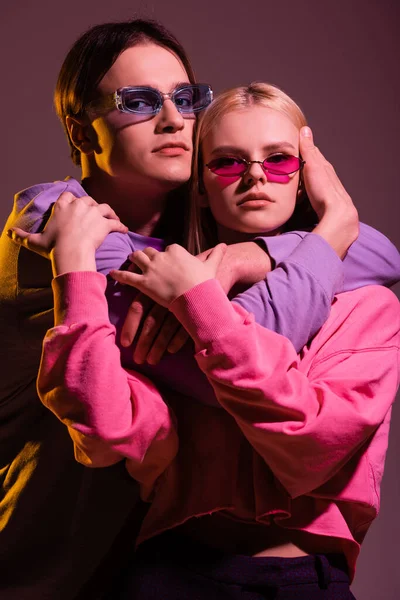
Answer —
(338, 217)
(242, 265)
(160, 332)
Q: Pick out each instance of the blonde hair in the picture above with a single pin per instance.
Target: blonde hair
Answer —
(201, 231)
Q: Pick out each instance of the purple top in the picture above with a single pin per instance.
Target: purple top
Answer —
(308, 275)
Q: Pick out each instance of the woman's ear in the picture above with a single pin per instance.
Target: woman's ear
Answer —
(81, 133)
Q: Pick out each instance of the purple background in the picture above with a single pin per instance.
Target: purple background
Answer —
(339, 60)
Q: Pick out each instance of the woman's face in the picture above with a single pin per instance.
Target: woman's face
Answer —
(250, 204)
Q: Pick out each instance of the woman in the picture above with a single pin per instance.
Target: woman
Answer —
(287, 474)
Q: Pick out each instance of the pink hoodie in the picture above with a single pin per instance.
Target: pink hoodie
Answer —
(302, 438)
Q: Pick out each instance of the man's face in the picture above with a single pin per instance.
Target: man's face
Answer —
(134, 150)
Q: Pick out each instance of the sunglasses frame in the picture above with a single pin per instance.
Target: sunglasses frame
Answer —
(117, 99)
(248, 163)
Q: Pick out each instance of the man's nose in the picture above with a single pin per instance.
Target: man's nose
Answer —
(169, 117)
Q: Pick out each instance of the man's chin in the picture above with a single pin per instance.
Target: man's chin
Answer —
(175, 178)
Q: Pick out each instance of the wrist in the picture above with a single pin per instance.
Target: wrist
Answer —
(339, 230)
(65, 259)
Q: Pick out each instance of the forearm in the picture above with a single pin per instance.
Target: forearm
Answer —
(81, 380)
(295, 298)
(243, 264)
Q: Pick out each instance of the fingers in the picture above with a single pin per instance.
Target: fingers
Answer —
(106, 211)
(160, 329)
(116, 225)
(316, 163)
(160, 345)
(151, 326)
(126, 277)
(216, 255)
(136, 313)
(69, 198)
(142, 258)
(178, 341)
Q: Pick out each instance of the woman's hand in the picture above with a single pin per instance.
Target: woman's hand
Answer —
(167, 275)
(75, 229)
(338, 217)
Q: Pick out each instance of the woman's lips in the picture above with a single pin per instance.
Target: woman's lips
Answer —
(255, 201)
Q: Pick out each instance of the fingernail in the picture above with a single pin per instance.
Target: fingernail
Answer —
(125, 342)
(306, 132)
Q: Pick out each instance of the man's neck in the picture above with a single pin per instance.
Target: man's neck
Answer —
(139, 208)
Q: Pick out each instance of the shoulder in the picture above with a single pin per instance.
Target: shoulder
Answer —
(32, 204)
(51, 189)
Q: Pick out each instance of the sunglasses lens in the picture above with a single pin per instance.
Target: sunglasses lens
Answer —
(282, 164)
(144, 102)
(227, 166)
(192, 98)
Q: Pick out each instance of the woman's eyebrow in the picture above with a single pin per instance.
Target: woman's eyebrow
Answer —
(274, 147)
(221, 150)
(279, 146)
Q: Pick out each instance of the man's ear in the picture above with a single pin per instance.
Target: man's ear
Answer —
(81, 133)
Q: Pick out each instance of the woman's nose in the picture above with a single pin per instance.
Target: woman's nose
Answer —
(254, 173)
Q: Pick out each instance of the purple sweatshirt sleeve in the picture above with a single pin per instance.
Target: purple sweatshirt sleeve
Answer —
(295, 298)
(32, 208)
(308, 275)
(371, 260)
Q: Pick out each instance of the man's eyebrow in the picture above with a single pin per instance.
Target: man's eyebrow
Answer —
(173, 87)
(275, 147)
(180, 84)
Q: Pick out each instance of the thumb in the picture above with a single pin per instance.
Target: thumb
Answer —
(31, 241)
(19, 236)
(306, 142)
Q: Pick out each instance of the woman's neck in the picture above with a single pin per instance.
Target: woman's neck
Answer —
(230, 236)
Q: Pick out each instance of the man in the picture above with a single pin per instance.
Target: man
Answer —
(65, 529)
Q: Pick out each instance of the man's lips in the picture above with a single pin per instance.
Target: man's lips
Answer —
(172, 148)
